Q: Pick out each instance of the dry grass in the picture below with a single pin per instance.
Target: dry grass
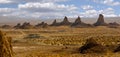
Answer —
(5, 46)
(63, 41)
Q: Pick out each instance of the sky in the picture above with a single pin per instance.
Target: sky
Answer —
(59, 8)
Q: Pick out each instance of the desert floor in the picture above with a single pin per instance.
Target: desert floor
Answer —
(62, 41)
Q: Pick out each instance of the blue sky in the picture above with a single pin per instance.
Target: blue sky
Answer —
(59, 8)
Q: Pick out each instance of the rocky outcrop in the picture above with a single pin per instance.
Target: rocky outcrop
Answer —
(26, 25)
(65, 22)
(42, 25)
(100, 21)
(91, 46)
(18, 26)
(79, 23)
(54, 23)
(6, 26)
(45, 25)
(114, 24)
(5, 46)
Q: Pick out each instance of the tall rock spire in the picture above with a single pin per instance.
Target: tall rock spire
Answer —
(100, 21)
(78, 20)
(79, 23)
(54, 23)
(65, 21)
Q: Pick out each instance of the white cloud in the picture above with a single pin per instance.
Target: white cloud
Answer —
(107, 2)
(46, 0)
(108, 12)
(40, 10)
(5, 1)
(51, 9)
(19, 1)
(111, 2)
(46, 7)
(6, 10)
(87, 7)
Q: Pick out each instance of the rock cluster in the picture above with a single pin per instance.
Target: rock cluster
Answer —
(41, 25)
(77, 24)
(17, 26)
(26, 25)
(114, 24)
(6, 26)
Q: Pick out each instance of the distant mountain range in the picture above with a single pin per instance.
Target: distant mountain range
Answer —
(15, 20)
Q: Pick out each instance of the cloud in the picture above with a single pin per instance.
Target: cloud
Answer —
(5, 1)
(40, 10)
(111, 2)
(87, 7)
(52, 9)
(26, 1)
(46, 7)
(44, 1)
(107, 2)
(108, 12)
(6, 10)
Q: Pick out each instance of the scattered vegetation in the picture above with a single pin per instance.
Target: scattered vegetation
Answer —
(5, 46)
(32, 36)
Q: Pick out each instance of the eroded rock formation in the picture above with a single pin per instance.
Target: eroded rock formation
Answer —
(26, 25)
(18, 26)
(100, 21)
(79, 23)
(65, 21)
(42, 25)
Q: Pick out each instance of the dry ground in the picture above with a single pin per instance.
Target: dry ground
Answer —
(62, 41)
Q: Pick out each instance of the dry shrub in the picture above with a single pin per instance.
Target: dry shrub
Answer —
(5, 46)
(117, 49)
